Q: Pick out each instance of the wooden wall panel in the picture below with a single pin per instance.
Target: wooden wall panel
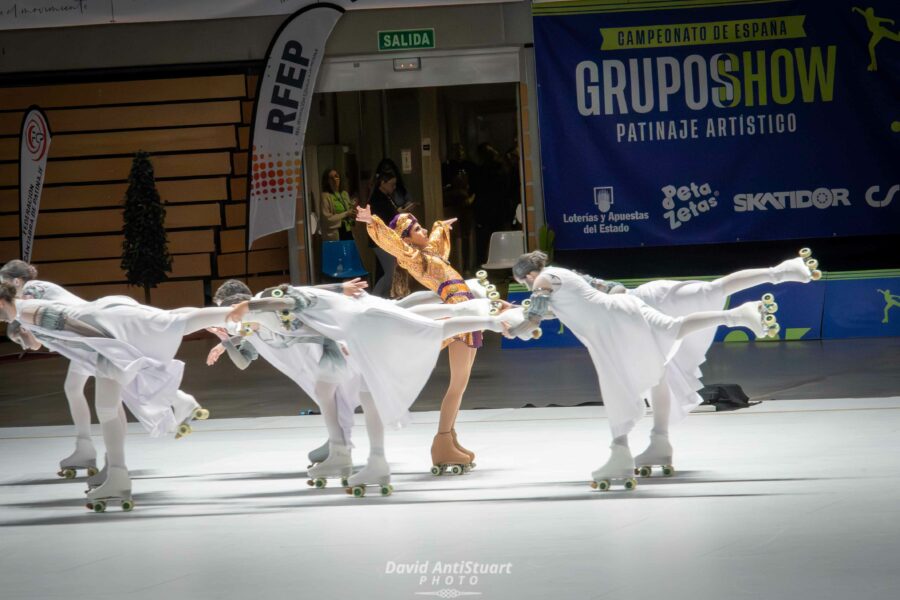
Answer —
(9, 226)
(235, 240)
(236, 214)
(9, 249)
(88, 221)
(109, 270)
(117, 169)
(261, 261)
(124, 92)
(238, 188)
(193, 215)
(176, 294)
(62, 197)
(129, 142)
(110, 246)
(130, 117)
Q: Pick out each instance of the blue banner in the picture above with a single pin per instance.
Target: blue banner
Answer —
(668, 124)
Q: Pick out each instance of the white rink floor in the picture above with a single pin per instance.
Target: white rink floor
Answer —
(788, 499)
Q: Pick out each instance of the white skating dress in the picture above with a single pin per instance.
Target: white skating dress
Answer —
(155, 419)
(393, 350)
(136, 350)
(679, 299)
(629, 342)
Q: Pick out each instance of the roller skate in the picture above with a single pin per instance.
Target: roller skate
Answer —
(338, 464)
(376, 472)
(84, 457)
(447, 458)
(803, 269)
(116, 487)
(759, 317)
(516, 316)
(186, 410)
(459, 447)
(97, 479)
(657, 454)
(619, 467)
(318, 455)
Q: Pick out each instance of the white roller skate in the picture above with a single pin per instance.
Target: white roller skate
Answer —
(802, 269)
(619, 467)
(376, 472)
(338, 464)
(84, 457)
(97, 479)
(186, 410)
(116, 487)
(657, 454)
(318, 455)
(758, 316)
(515, 316)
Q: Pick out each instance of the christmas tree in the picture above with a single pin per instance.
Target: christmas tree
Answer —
(145, 255)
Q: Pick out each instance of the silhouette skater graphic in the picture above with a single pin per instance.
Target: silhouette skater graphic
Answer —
(878, 32)
(889, 302)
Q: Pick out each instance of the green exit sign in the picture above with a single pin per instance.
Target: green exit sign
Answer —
(405, 39)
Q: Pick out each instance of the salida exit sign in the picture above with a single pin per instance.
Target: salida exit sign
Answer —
(405, 39)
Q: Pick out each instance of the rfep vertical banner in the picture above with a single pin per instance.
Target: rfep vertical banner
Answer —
(282, 110)
(666, 123)
(34, 145)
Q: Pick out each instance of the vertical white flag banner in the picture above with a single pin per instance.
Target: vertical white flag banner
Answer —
(34, 146)
(283, 100)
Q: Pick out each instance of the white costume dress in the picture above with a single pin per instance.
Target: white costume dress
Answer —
(393, 350)
(136, 348)
(629, 342)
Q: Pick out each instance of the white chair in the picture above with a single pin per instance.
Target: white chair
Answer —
(506, 247)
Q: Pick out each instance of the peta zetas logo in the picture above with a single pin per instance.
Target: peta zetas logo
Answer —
(687, 202)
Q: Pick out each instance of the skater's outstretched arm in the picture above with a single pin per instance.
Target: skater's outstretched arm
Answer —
(539, 308)
(352, 288)
(439, 240)
(607, 287)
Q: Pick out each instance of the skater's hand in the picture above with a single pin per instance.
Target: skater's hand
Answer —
(449, 222)
(354, 287)
(237, 313)
(214, 354)
(219, 332)
(364, 214)
(506, 332)
(504, 305)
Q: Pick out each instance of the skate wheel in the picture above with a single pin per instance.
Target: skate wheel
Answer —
(772, 308)
(805, 252)
(637, 471)
(773, 331)
(602, 485)
(344, 481)
(537, 333)
(768, 298)
(456, 470)
(91, 471)
(490, 288)
(127, 505)
(67, 473)
(320, 483)
(359, 491)
(277, 293)
(201, 414)
(495, 295)
(526, 303)
(668, 470)
(310, 482)
(769, 320)
(816, 275)
(494, 311)
(183, 430)
(481, 275)
(630, 484)
(387, 490)
(645, 471)
(99, 506)
(436, 470)
(812, 263)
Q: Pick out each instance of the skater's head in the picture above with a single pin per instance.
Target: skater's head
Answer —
(528, 267)
(230, 290)
(7, 302)
(407, 227)
(18, 273)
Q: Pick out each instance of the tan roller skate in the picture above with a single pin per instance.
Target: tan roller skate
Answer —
(460, 447)
(446, 458)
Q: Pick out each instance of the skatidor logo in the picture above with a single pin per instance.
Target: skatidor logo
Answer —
(35, 137)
